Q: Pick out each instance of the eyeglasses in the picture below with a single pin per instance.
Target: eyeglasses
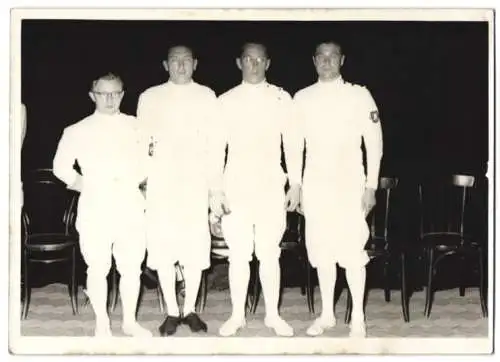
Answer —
(109, 94)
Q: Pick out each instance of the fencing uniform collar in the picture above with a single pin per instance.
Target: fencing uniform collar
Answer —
(339, 81)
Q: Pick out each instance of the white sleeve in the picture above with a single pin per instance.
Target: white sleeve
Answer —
(217, 140)
(65, 157)
(293, 140)
(373, 138)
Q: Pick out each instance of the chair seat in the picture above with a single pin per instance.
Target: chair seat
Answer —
(50, 242)
(376, 245)
(219, 248)
(448, 241)
(219, 244)
(290, 245)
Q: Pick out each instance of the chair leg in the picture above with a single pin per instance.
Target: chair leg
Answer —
(365, 296)
(139, 300)
(309, 287)
(348, 309)
(482, 285)
(404, 291)
(202, 293)
(387, 286)
(429, 291)
(281, 288)
(461, 276)
(337, 292)
(26, 286)
(161, 300)
(113, 300)
(257, 287)
(72, 285)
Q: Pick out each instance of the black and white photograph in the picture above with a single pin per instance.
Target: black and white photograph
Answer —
(251, 181)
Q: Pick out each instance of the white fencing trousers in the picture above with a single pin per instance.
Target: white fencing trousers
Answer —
(336, 228)
(256, 223)
(179, 232)
(120, 233)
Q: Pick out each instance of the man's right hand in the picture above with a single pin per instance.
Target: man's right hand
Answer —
(77, 185)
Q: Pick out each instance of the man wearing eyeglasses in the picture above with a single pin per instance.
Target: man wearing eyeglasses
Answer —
(178, 116)
(334, 117)
(112, 156)
(255, 119)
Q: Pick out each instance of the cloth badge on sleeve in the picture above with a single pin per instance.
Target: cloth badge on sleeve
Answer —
(374, 116)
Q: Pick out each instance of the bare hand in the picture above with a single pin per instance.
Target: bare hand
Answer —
(77, 185)
(219, 204)
(292, 198)
(369, 200)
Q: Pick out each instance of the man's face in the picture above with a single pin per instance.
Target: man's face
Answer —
(328, 60)
(253, 64)
(107, 96)
(180, 65)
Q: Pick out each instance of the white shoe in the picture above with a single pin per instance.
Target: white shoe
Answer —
(281, 328)
(358, 330)
(231, 326)
(134, 329)
(320, 325)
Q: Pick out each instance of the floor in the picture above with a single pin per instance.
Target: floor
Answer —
(452, 316)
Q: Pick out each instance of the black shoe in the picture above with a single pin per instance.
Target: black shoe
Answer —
(195, 323)
(170, 325)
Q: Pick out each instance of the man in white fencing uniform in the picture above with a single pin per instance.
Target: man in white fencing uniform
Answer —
(256, 116)
(110, 221)
(334, 117)
(178, 117)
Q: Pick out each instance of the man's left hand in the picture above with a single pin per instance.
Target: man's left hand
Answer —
(292, 198)
(369, 200)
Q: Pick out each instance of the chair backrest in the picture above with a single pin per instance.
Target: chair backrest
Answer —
(49, 207)
(443, 204)
(380, 217)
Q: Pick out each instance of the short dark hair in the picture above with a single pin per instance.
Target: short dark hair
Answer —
(254, 44)
(107, 76)
(176, 46)
(329, 42)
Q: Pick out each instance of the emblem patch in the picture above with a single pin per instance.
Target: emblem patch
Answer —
(374, 116)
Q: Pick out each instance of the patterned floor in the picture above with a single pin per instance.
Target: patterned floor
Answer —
(452, 316)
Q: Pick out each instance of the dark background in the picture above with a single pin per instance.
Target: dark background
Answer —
(429, 79)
